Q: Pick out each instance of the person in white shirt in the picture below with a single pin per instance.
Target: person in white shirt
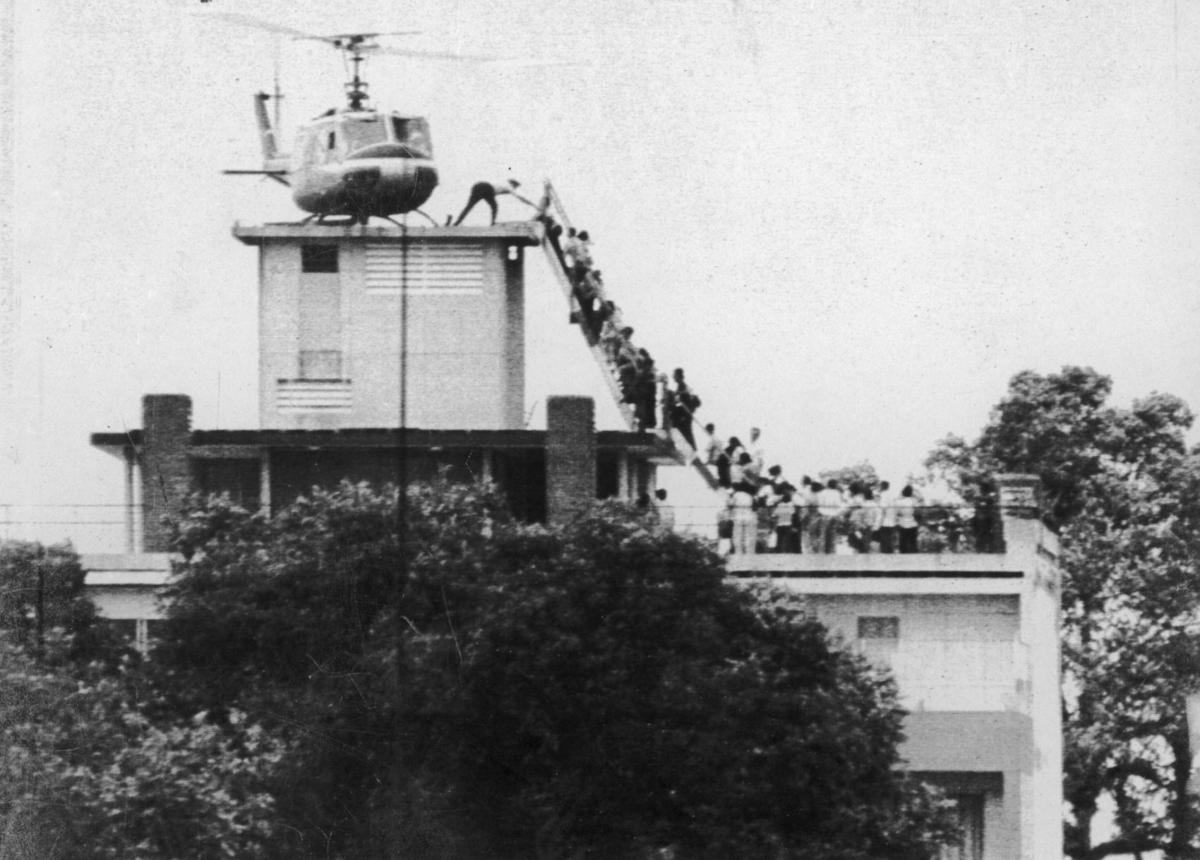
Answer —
(756, 451)
(745, 521)
(906, 520)
(864, 514)
(806, 512)
(886, 531)
(829, 508)
(715, 456)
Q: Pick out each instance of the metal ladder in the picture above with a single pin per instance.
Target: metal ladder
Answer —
(558, 264)
(552, 206)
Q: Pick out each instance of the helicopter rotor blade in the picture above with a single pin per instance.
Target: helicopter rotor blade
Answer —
(258, 23)
(361, 43)
(360, 37)
(336, 39)
(437, 55)
(537, 64)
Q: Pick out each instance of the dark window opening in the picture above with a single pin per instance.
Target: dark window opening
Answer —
(240, 478)
(969, 808)
(608, 475)
(318, 258)
(124, 628)
(521, 476)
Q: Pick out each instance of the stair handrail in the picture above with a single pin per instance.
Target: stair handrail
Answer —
(552, 212)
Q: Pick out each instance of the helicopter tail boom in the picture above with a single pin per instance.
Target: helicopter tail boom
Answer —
(272, 158)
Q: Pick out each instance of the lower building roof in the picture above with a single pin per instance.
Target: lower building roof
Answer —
(650, 446)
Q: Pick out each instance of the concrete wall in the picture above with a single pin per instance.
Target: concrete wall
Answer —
(975, 653)
(953, 652)
(464, 323)
(126, 586)
(1035, 548)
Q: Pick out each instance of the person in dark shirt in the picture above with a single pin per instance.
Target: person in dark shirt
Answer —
(683, 407)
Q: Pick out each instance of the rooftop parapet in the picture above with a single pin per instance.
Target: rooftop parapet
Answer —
(515, 232)
(1006, 526)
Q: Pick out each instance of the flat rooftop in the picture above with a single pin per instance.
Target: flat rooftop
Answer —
(650, 445)
(508, 232)
(877, 573)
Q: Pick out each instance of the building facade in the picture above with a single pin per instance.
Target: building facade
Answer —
(385, 355)
(972, 641)
(389, 355)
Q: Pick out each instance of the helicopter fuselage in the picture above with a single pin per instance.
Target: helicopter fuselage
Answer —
(362, 163)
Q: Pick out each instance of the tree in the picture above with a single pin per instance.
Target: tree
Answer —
(863, 473)
(595, 689)
(84, 772)
(41, 588)
(1125, 493)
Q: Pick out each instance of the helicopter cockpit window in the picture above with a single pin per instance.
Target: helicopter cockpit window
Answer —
(413, 133)
(359, 133)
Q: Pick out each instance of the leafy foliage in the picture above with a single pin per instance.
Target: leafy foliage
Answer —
(1125, 492)
(41, 589)
(450, 683)
(84, 773)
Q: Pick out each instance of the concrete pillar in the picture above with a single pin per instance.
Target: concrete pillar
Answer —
(165, 467)
(131, 540)
(264, 481)
(570, 457)
(1034, 548)
(1020, 513)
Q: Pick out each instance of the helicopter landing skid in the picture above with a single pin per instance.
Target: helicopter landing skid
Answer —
(326, 219)
(388, 217)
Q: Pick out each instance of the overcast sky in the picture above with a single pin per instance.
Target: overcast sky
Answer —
(851, 223)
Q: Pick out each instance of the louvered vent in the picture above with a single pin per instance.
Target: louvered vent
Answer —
(294, 395)
(427, 269)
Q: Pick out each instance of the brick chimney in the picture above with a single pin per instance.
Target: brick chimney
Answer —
(166, 470)
(570, 457)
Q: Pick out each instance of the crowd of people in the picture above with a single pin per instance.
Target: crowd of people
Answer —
(811, 518)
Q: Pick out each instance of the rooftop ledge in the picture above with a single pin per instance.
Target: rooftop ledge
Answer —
(126, 569)
(880, 565)
(512, 232)
(919, 573)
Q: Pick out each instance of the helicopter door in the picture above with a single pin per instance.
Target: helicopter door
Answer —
(332, 143)
(320, 145)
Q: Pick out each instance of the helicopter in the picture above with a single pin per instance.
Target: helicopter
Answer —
(356, 162)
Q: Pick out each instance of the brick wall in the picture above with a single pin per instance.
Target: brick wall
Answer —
(166, 473)
(570, 457)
